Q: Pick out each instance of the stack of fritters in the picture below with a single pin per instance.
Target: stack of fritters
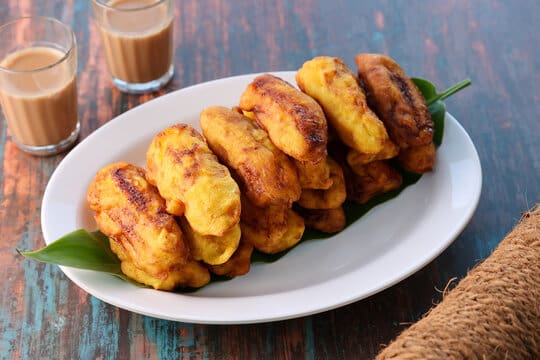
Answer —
(136, 209)
(202, 191)
(266, 176)
(401, 107)
(296, 124)
(262, 172)
(147, 239)
(378, 116)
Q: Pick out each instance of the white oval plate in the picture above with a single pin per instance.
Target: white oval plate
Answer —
(389, 243)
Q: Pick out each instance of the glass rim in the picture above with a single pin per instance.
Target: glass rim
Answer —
(127, 10)
(73, 43)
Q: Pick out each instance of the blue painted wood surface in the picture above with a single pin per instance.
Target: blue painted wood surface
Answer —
(495, 43)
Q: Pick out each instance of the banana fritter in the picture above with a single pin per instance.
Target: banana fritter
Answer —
(238, 264)
(418, 159)
(389, 151)
(268, 223)
(267, 175)
(325, 220)
(294, 121)
(334, 86)
(270, 229)
(314, 175)
(193, 274)
(189, 176)
(213, 250)
(396, 100)
(147, 240)
(375, 178)
(331, 198)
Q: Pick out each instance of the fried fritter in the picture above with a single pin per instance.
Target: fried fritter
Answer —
(331, 198)
(390, 150)
(375, 178)
(213, 250)
(270, 229)
(193, 274)
(238, 264)
(188, 175)
(294, 121)
(334, 86)
(418, 159)
(269, 222)
(314, 175)
(147, 240)
(395, 98)
(325, 220)
(266, 174)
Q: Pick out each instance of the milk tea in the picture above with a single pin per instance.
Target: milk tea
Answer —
(137, 43)
(40, 102)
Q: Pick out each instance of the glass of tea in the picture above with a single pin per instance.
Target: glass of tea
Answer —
(38, 86)
(137, 38)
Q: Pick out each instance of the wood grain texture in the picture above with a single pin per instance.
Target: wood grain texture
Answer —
(494, 42)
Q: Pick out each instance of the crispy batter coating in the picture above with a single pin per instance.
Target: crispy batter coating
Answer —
(294, 121)
(334, 86)
(389, 150)
(325, 220)
(248, 114)
(266, 174)
(314, 175)
(147, 240)
(270, 229)
(213, 250)
(326, 199)
(269, 223)
(192, 274)
(418, 159)
(395, 98)
(375, 178)
(295, 230)
(238, 264)
(188, 175)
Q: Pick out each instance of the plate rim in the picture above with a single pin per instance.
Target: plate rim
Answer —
(75, 275)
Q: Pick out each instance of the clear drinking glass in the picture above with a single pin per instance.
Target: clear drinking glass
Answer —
(137, 38)
(38, 85)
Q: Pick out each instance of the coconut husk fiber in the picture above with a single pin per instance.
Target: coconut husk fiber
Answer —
(493, 313)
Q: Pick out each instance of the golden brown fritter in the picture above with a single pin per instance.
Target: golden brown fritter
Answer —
(418, 159)
(147, 240)
(193, 274)
(270, 229)
(269, 222)
(325, 220)
(314, 175)
(266, 174)
(331, 198)
(375, 178)
(396, 100)
(238, 264)
(188, 175)
(213, 250)
(295, 230)
(334, 86)
(294, 121)
(389, 150)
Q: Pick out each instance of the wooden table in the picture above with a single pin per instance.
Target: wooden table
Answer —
(495, 43)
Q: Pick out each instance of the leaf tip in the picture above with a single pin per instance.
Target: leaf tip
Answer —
(22, 253)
